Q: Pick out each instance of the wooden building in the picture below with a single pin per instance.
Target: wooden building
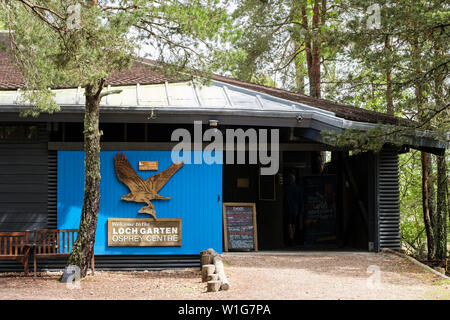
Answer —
(41, 166)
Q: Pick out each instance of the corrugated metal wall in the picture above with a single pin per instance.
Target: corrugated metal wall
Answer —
(52, 187)
(23, 183)
(388, 206)
(196, 191)
(23, 187)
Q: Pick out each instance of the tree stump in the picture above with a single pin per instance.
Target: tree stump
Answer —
(213, 286)
(207, 270)
(205, 258)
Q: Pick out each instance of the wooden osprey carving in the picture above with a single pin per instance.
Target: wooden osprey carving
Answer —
(143, 190)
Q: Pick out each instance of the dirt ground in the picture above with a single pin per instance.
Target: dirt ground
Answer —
(318, 276)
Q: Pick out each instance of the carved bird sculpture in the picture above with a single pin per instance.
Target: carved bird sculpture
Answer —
(143, 190)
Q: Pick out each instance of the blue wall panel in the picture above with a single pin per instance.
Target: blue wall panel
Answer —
(196, 191)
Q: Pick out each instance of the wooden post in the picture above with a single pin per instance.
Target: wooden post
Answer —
(205, 258)
(34, 259)
(26, 251)
(207, 270)
(213, 286)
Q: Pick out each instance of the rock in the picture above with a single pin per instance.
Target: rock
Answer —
(69, 274)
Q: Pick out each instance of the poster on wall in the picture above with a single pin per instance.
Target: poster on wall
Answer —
(320, 209)
(239, 224)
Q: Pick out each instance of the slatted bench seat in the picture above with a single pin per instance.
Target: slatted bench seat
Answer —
(54, 243)
(15, 246)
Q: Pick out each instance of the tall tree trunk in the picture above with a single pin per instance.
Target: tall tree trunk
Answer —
(432, 199)
(442, 204)
(427, 183)
(312, 46)
(427, 216)
(84, 245)
(442, 209)
(315, 72)
(389, 97)
(308, 49)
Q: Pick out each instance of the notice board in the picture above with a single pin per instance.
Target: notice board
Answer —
(239, 227)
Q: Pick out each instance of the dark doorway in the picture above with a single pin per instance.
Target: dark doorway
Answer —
(334, 201)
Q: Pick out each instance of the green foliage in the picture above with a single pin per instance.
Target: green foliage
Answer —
(263, 79)
(405, 63)
(412, 227)
(56, 47)
(274, 38)
(51, 54)
(372, 139)
(411, 44)
(357, 57)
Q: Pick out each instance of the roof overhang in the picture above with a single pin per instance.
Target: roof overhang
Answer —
(185, 102)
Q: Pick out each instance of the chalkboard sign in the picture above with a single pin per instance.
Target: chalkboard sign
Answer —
(239, 225)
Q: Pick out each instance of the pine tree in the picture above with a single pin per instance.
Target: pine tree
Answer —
(287, 37)
(406, 60)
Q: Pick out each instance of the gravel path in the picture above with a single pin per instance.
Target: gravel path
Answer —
(318, 276)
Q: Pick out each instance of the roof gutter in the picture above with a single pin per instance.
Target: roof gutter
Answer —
(300, 118)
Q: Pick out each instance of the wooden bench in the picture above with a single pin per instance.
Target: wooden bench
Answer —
(54, 243)
(15, 246)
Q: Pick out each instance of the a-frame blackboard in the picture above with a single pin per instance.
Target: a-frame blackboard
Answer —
(239, 227)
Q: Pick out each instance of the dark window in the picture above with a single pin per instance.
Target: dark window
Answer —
(18, 132)
(163, 132)
(73, 132)
(136, 132)
(113, 132)
(56, 133)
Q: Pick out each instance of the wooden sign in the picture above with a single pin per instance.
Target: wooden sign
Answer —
(148, 165)
(144, 233)
(143, 190)
(239, 225)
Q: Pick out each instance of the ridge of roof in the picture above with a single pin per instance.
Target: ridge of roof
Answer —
(143, 71)
(348, 112)
(341, 110)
